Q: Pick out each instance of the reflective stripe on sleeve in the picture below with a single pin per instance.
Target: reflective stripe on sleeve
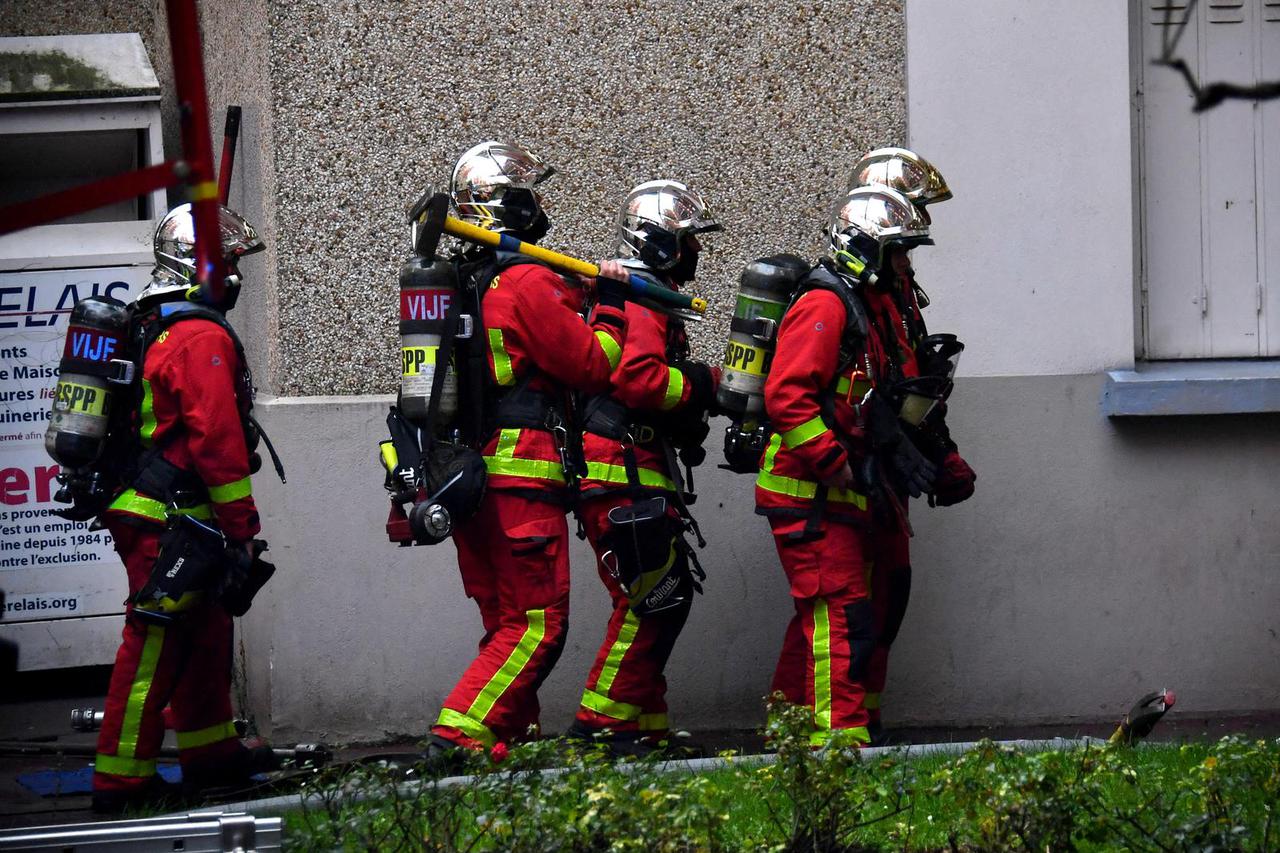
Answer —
(229, 492)
(807, 431)
(502, 372)
(147, 427)
(612, 351)
(675, 389)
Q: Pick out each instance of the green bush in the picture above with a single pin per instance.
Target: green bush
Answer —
(1194, 797)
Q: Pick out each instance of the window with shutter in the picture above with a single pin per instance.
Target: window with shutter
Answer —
(1210, 188)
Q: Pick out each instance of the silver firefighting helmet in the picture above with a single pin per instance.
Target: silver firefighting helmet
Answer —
(175, 250)
(493, 187)
(867, 220)
(655, 220)
(905, 171)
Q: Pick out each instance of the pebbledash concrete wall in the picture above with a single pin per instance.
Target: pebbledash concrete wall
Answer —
(1098, 559)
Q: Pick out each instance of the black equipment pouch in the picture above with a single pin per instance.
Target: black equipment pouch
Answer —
(191, 561)
(243, 577)
(604, 416)
(647, 554)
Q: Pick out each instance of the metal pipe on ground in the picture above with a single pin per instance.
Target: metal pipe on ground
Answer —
(282, 804)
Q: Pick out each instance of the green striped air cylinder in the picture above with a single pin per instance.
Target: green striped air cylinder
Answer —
(764, 292)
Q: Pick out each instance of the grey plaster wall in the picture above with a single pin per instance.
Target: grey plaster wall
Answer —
(763, 106)
(1098, 560)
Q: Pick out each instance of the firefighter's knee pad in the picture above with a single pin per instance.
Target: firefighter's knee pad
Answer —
(861, 621)
(646, 552)
(191, 561)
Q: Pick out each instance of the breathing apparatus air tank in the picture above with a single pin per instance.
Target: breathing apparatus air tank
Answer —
(93, 359)
(764, 292)
(428, 288)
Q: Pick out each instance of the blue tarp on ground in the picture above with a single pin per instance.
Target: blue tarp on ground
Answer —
(59, 783)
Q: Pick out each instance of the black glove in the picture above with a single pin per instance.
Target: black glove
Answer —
(612, 293)
(913, 471)
(702, 383)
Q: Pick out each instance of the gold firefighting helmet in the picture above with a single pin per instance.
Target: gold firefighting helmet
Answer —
(174, 245)
(654, 220)
(905, 171)
(867, 220)
(493, 186)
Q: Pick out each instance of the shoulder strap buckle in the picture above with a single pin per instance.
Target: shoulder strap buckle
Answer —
(121, 371)
(466, 327)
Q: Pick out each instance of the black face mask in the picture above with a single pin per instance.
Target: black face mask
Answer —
(523, 216)
(536, 231)
(685, 269)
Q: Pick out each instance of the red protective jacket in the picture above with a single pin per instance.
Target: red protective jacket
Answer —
(533, 328)
(644, 382)
(806, 447)
(191, 405)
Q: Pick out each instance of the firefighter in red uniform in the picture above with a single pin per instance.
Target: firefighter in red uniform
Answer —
(836, 441)
(514, 553)
(191, 455)
(894, 308)
(633, 496)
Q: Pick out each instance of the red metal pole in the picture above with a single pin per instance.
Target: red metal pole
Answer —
(197, 147)
(229, 137)
(47, 208)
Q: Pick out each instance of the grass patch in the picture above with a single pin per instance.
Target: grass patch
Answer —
(1220, 796)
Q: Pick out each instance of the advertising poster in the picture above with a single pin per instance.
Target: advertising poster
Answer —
(50, 568)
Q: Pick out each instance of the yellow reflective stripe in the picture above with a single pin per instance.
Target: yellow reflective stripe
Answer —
(466, 725)
(607, 473)
(130, 727)
(505, 461)
(512, 666)
(620, 711)
(118, 766)
(871, 702)
(857, 735)
(148, 412)
(204, 737)
(612, 663)
(675, 389)
(804, 489)
(502, 372)
(807, 431)
(842, 385)
(229, 492)
(612, 351)
(653, 722)
(135, 504)
(821, 665)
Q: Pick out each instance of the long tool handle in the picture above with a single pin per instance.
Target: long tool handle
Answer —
(230, 135)
(640, 287)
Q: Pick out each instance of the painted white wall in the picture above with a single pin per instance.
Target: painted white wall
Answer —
(1097, 561)
(1025, 107)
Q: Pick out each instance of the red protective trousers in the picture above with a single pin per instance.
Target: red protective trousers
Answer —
(514, 559)
(185, 665)
(828, 645)
(626, 690)
(890, 592)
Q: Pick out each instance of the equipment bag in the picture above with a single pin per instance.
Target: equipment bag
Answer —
(243, 577)
(191, 562)
(649, 557)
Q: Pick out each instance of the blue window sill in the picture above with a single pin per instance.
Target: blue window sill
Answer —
(1193, 388)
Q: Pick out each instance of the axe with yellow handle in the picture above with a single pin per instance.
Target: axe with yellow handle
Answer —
(430, 219)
